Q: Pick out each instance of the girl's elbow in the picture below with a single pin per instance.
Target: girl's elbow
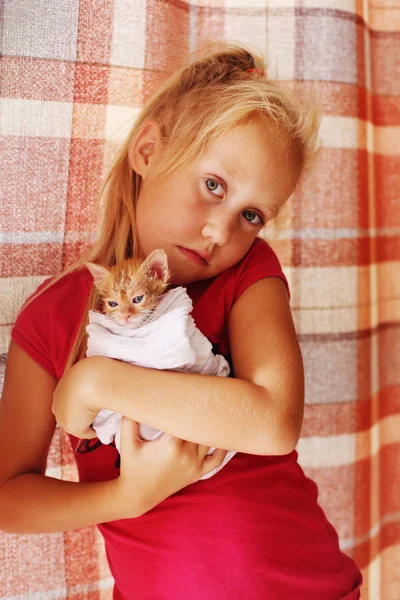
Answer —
(288, 429)
(290, 441)
(285, 444)
(292, 428)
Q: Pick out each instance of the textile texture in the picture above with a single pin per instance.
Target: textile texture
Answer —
(74, 77)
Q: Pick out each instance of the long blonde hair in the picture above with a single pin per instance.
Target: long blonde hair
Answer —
(198, 104)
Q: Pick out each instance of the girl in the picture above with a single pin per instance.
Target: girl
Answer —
(213, 157)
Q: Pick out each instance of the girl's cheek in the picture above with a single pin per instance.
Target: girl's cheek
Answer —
(196, 211)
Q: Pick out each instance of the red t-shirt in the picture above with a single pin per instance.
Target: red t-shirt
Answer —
(254, 531)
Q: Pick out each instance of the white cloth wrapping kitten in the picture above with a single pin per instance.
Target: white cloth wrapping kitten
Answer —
(168, 339)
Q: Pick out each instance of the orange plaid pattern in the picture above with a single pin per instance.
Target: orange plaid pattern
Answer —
(74, 76)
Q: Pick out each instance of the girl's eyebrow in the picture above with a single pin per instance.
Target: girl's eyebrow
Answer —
(230, 171)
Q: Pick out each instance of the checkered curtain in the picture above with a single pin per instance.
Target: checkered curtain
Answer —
(74, 75)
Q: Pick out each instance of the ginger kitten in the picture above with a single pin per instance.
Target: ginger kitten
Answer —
(131, 289)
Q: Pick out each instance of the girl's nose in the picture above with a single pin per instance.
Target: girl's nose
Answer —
(218, 230)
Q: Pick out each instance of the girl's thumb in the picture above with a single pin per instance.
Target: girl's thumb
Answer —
(129, 430)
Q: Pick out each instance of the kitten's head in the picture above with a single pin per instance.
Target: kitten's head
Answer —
(130, 290)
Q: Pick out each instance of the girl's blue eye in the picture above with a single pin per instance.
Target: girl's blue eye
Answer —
(249, 215)
(112, 303)
(215, 183)
(138, 299)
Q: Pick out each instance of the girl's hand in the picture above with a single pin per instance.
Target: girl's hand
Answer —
(153, 471)
(72, 402)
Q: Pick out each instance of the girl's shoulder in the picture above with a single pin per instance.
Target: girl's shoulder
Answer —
(46, 323)
(213, 299)
(260, 261)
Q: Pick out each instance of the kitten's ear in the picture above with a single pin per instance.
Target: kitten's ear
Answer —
(156, 265)
(100, 274)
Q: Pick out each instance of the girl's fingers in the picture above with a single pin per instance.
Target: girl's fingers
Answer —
(167, 438)
(202, 450)
(88, 434)
(129, 431)
(215, 459)
(216, 455)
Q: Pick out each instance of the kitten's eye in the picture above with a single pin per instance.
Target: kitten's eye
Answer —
(112, 303)
(138, 299)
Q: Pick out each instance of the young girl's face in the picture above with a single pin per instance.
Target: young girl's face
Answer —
(206, 219)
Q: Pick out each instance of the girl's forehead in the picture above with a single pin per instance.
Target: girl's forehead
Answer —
(239, 155)
(244, 140)
(259, 152)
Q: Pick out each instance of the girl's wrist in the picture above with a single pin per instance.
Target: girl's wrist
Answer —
(74, 401)
(130, 503)
(92, 370)
(87, 378)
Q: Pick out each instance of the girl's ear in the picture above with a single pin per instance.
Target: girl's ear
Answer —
(100, 274)
(156, 265)
(144, 147)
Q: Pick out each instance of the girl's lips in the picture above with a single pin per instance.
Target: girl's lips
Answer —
(193, 256)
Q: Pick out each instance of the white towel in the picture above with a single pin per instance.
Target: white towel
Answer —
(168, 339)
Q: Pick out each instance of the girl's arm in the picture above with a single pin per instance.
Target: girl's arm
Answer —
(260, 412)
(31, 502)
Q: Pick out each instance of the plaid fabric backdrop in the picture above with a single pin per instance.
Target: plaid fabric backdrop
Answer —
(74, 76)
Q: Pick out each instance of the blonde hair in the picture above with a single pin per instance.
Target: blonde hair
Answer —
(197, 105)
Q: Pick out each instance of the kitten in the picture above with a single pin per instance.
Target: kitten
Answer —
(131, 289)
